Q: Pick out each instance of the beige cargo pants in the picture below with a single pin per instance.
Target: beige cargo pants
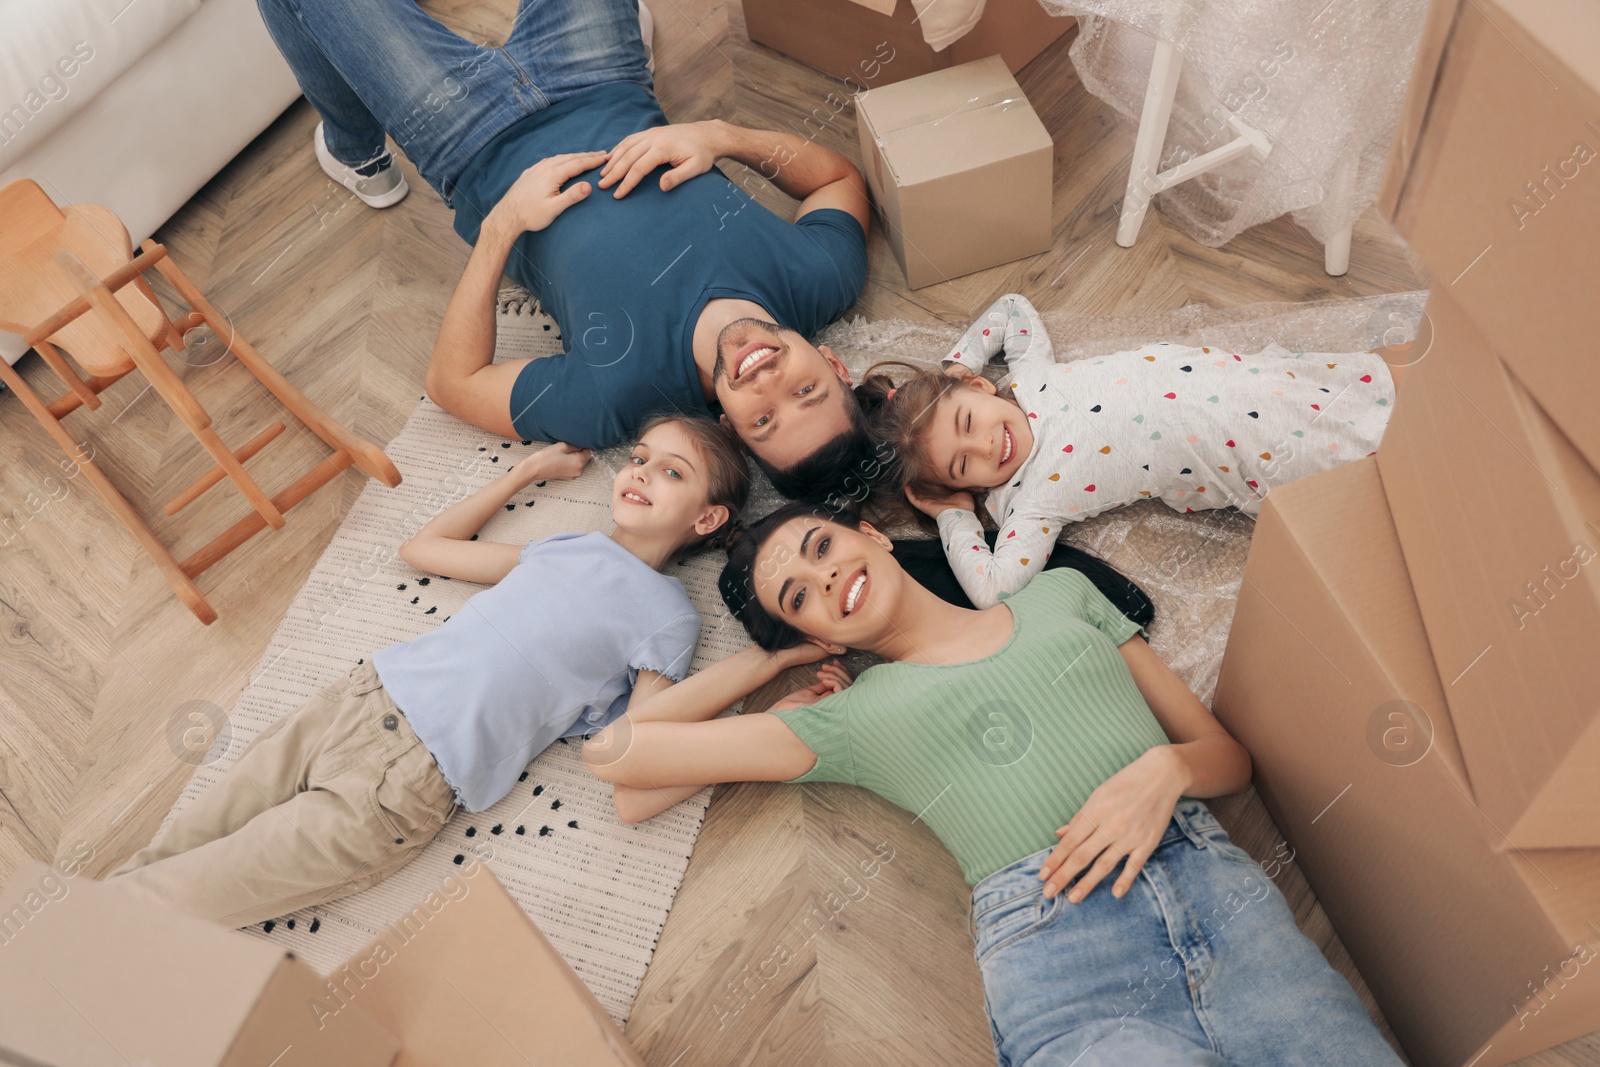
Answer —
(326, 802)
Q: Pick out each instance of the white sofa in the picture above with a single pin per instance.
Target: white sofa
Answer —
(133, 104)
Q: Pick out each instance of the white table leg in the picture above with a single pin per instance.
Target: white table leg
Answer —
(1158, 96)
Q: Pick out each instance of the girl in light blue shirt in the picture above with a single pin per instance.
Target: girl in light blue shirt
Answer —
(344, 791)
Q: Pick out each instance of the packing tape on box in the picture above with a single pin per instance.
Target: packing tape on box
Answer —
(981, 102)
(998, 101)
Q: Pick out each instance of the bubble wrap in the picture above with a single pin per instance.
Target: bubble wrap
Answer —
(1189, 565)
(1324, 79)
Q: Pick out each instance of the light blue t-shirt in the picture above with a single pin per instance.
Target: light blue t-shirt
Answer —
(551, 650)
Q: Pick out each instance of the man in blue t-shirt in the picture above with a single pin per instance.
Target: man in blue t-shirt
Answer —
(674, 290)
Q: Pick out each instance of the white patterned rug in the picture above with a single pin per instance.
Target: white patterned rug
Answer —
(599, 889)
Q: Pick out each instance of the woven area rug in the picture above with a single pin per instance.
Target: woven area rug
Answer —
(597, 888)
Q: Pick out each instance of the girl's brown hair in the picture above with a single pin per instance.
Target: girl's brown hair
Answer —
(900, 422)
(727, 474)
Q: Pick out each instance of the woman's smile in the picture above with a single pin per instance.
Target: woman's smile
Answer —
(853, 593)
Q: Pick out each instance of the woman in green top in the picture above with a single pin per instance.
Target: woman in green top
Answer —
(1050, 749)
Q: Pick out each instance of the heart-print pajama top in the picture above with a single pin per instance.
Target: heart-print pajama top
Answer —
(1195, 428)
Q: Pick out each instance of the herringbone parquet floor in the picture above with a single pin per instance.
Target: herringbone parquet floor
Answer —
(794, 939)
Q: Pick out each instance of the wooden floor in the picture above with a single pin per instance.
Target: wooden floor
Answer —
(816, 925)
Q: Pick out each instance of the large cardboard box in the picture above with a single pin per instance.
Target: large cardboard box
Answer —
(1503, 199)
(91, 974)
(1476, 956)
(875, 42)
(95, 976)
(1499, 517)
(960, 169)
(468, 979)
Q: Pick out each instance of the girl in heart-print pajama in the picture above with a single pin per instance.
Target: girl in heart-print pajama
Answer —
(1194, 427)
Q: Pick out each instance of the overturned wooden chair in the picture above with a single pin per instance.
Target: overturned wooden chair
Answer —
(69, 281)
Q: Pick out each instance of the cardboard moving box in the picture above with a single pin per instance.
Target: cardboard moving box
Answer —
(875, 42)
(469, 979)
(960, 169)
(1503, 199)
(96, 976)
(1499, 517)
(1476, 956)
(91, 974)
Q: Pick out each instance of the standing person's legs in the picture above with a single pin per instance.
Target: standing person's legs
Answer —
(366, 796)
(370, 66)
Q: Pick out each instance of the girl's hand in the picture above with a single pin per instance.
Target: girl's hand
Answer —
(1125, 816)
(831, 678)
(536, 198)
(690, 148)
(932, 506)
(560, 461)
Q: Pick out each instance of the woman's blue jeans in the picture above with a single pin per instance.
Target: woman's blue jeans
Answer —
(1200, 964)
(370, 66)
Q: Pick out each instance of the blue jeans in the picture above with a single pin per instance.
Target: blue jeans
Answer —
(1199, 965)
(370, 66)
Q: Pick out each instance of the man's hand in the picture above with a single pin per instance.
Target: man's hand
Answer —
(689, 147)
(831, 678)
(1125, 816)
(536, 198)
(931, 506)
(558, 461)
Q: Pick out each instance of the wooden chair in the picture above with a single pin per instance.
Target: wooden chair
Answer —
(69, 280)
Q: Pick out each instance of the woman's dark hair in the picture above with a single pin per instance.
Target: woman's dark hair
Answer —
(737, 583)
(727, 474)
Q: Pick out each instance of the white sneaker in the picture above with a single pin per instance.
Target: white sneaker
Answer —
(647, 31)
(376, 183)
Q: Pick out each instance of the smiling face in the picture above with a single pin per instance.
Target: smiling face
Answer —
(782, 396)
(837, 585)
(663, 491)
(974, 438)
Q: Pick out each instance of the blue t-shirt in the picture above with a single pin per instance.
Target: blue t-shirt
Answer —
(626, 279)
(551, 650)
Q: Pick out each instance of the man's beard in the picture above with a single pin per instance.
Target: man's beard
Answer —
(719, 367)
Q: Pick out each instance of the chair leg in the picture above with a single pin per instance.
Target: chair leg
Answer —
(181, 583)
(367, 457)
(171, 389)
(68, 402)
(1159, 94)
(79, 389)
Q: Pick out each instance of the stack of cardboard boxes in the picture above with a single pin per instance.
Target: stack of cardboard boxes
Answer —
(1415, 659)
(959, 164)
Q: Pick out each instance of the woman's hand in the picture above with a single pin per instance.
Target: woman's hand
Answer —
(1125, 816)
(931, 506)
(559, 461)
(536, 198)
(690, 148)
(831, 678)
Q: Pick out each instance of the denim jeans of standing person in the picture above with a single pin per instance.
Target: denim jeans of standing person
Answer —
(376, 66)
(1199, 965)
